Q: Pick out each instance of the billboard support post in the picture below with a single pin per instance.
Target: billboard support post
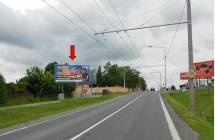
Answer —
(62, 88)
(91, 87)
(81, 89)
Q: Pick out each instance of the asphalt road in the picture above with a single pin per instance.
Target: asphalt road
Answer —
(137, 116)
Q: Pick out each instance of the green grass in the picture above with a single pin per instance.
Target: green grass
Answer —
(202, 120)
(10, 117)
(25, 100)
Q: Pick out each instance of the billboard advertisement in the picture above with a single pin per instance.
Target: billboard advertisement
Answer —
(203, 69)
(71, 73)
(184, 76)
(92, 75)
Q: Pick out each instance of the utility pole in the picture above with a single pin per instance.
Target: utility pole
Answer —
(190, 58)
(165, 81)
(124, 82)
(165, 69)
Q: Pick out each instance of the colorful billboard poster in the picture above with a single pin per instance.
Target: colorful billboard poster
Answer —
(71, 73)
(204, 69)
(184, 76)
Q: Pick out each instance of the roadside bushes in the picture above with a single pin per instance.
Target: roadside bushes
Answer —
(2, 90)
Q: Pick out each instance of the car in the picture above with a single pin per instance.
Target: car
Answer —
(152, 89)
(106, 91)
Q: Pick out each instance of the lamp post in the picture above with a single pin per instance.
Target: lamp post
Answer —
(150, 46)
(160, 77)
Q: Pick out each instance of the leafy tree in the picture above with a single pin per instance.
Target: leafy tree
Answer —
(173, 87)
(114, 75)
(11, 89)
(22, 85)
(3, 96)
(99, 76)
(50, 67)
(34, 79)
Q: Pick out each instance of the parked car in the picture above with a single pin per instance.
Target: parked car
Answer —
(106, 91)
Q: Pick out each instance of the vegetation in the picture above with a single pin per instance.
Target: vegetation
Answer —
(202, 120)
(36, 86)
(10, 117)
(2, 90)
(39, 85)
(113, 75)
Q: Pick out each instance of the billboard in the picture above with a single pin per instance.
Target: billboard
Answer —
(71, 73)
(184, 76)
(203, 69)
(92, 75)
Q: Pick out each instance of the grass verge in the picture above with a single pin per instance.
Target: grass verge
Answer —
(11, 117)
(202, 120)
(25, 100)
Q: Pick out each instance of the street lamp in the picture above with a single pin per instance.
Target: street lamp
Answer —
(150, 46)
(160, 77)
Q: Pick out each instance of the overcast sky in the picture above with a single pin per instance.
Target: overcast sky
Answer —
(34, 34)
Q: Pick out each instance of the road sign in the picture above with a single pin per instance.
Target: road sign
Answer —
(71, 73)
(191, 73)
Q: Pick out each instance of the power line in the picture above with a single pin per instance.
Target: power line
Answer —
(92, 28)
(131, 41)
(73, 11)
(138, 28)
(162, 10)
(82, 29)
(174, 36)
(108, 21)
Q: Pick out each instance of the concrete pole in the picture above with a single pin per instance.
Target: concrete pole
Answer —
(124, 82)
(160, 81)
(165, 70)
(190, 58)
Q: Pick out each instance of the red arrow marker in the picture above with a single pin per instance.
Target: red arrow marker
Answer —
(72, 52)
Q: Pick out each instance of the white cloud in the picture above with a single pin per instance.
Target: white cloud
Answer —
(41, 35)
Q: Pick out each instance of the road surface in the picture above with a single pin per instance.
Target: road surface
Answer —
(137, 116)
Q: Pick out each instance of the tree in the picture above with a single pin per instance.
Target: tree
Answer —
(50, 67)
(3, 96)
(35, 81)
(99, 76)
(173, 87)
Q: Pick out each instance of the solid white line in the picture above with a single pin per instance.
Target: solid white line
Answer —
(173, 131)
(104, 119)
(55, 118)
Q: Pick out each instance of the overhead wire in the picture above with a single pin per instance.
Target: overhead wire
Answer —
(131, 41)
(175, 33)
(92, 28)
(80, 28)
(107, 19)
(83, 20)
(161, 11)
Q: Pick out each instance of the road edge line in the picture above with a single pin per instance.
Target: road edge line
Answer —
(172, 128)
(104, 119)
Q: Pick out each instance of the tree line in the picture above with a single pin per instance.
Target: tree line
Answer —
(39, 83)
(113, 75)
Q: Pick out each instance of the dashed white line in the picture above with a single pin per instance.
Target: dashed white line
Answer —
(104, 119)
(52, 119)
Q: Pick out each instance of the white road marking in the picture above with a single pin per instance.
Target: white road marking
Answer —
(173, 131)
(55, 118)
(104, 119)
